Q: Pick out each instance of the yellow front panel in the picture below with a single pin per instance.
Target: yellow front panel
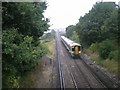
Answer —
(76, 50)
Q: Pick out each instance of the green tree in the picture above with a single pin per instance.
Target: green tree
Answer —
(69, 31)
(89, 26)
(110, 27)
(27, 18)
(18, 57)
(23, 23)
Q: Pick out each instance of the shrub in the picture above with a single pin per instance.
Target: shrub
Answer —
(114, 55)
(11, 81)
(105, 48)
(19, 56)
(94, 47)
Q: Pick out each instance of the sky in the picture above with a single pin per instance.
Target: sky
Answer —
(63, 13)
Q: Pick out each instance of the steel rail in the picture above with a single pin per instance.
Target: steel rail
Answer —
(82, 74)
(62, 82)
(73, 78)
(71, 74)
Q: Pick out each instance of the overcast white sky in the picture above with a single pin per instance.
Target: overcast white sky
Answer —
(63, 13)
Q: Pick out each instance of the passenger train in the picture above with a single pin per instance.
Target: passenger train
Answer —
(73, 47)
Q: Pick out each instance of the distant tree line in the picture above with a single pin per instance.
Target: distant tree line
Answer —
(22, 24)
(99, 28)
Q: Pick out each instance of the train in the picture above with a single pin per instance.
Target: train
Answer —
(73, 47)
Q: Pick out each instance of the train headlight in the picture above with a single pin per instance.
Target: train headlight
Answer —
(79, 51)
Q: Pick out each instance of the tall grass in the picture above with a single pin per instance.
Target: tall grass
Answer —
(50, 47)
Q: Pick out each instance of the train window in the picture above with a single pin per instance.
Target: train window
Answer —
(78, 48)
(73, 49)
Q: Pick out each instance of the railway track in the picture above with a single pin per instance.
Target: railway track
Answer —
(71, 62)
(72, 75)
(83, 74)
(68, 75)
(80, 75)
(62, 81)
(61, 78)
(102, 77)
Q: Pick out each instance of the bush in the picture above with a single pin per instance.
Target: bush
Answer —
(114, 55)
(94, 47)
(19, 56)
(11, 81)
(105, 48)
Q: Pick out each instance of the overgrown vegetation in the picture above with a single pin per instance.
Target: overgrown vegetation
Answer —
(50, 47)
(98, 32)
(111, 65)
(49, 42)
(22, 24)
(106, 49)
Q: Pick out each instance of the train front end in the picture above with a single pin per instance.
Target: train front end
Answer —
(75, 51)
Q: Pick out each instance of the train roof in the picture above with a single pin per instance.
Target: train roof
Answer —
(70, 42)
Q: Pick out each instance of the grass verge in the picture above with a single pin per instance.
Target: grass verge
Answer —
(50, 46)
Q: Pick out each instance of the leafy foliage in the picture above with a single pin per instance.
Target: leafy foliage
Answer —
(18, 57)
(114, 55)
(105, 48)
(110, 27)
(75, 37)
(23, 23)
(98, 29)
(69, 31)
(97, 25)
(27, 18)
(94, 47)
